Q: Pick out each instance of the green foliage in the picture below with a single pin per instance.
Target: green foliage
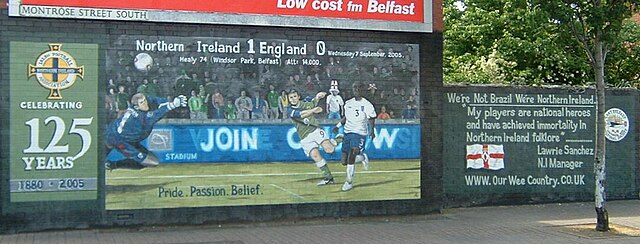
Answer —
(525, 42)
(485, 70)
(623, 66)
(604, 32)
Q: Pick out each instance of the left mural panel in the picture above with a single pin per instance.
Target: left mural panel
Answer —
(53, 121)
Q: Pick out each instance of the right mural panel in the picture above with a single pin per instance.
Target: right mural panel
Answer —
(532, 145)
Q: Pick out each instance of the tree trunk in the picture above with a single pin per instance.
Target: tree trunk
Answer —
(599, 165)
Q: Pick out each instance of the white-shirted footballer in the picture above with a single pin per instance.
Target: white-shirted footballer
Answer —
(358, 113)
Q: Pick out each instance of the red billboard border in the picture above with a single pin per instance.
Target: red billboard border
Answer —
(410, 15)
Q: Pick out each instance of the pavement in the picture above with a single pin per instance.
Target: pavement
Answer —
(540, 223)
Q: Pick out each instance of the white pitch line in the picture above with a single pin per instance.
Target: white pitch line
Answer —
(287, 191)
(248, 175)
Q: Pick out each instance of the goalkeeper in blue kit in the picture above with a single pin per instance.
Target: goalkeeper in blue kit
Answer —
(123, 136)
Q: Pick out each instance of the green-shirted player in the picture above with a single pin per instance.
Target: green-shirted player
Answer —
(302, 113)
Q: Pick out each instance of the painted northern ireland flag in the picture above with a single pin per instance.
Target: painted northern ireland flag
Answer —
(485, 156)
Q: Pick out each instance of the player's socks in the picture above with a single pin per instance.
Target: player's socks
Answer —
(348, 184)
(326, 172)
(328, 177)
(351, 171)
(364, 159)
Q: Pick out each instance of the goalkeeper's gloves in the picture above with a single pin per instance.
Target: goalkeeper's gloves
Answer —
(179, 101)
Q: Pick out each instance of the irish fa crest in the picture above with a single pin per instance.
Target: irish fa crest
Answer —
(55, 70)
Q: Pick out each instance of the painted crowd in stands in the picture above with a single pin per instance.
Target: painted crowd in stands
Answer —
(246, 92)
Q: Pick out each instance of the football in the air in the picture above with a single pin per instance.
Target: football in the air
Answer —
(143, 62)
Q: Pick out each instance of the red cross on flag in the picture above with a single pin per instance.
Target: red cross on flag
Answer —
(485, 156)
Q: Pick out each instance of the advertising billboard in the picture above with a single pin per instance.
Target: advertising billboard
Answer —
(397, 15)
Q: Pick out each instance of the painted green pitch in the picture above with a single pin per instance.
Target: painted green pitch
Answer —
(199, 185)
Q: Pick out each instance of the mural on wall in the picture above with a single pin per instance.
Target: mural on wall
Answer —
(216, 121)
(532, 142)
(53, 121)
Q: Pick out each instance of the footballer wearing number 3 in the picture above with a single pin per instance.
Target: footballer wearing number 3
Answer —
(359, 121)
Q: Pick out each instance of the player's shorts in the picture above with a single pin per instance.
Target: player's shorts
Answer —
(130, 151)
(353, 140)
(313, 140)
